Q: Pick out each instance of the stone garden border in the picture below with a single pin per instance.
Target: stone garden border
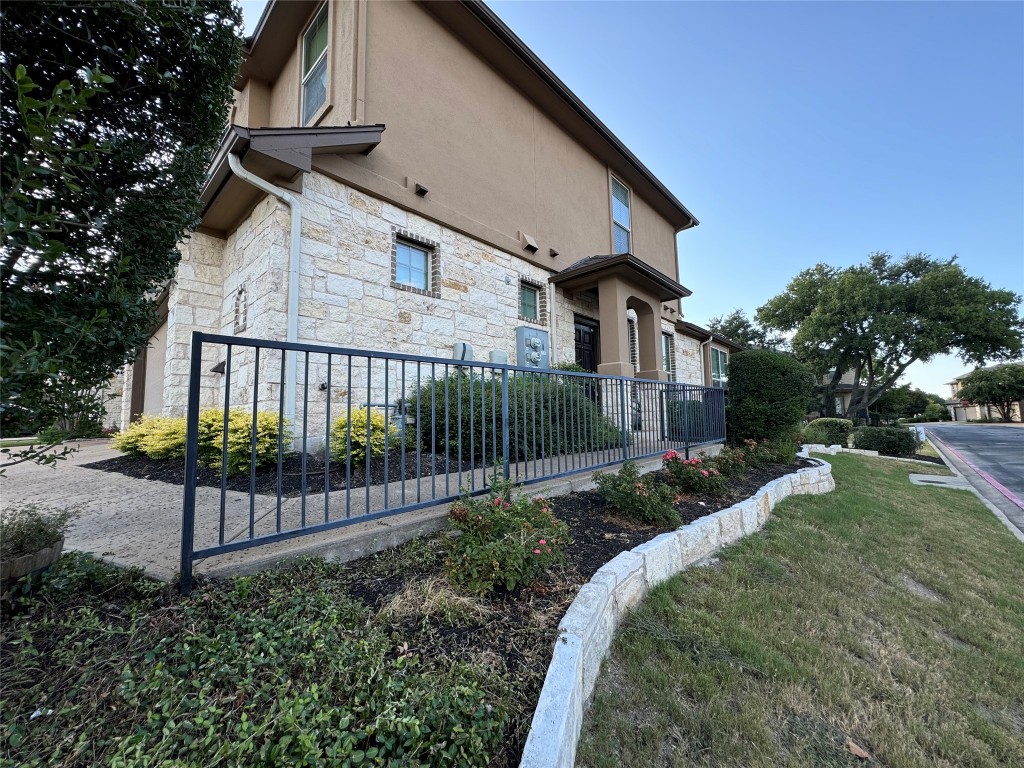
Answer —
(586, 631)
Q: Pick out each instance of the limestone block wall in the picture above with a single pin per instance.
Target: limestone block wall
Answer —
(689, 366)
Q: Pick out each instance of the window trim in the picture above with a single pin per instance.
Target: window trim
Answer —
(723, 379)
(324, 57)
(542, 302)
(668, 354)
(613, 180)
(405, 237)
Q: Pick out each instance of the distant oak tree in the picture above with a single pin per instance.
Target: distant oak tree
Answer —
(879, 318)
(737, 327)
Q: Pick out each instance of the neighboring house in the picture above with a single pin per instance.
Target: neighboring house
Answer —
(961, 410)
(406, 175)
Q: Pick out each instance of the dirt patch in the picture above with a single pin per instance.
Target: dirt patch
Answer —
(919, 589)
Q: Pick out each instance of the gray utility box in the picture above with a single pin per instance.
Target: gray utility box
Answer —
(532, 350)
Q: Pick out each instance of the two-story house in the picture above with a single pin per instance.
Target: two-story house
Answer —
(406, 175)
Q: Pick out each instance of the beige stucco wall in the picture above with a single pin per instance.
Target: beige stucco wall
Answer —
(495, 164)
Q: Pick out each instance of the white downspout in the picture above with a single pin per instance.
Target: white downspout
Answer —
(294, 203)
(553, 312)
(700, 349)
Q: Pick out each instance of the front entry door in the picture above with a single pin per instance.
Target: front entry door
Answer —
(586, 344)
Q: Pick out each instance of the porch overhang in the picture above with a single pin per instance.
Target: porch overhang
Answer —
(278, 155)
(588, 273)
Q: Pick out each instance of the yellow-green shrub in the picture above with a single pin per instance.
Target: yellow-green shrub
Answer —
(378, 441)
(158, 437)
(211, 438)
(163, 437)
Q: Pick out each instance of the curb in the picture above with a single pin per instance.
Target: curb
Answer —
(588, 627)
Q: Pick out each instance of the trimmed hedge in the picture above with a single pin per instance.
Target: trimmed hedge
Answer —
(769, 393)
(548, 415)
(829, 431)
(888, 441)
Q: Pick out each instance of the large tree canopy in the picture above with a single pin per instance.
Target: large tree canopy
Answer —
(1000, 386)
(109, 113)
(737, 327)
(879, 318)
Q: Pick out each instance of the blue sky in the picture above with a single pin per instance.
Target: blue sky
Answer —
(805, 132)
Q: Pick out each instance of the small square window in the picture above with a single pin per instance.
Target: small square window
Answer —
(412, 265)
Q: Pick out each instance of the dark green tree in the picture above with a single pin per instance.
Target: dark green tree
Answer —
(109, 113)
(1000, 387)
(879, 318)
(769, 393)
(737, 327)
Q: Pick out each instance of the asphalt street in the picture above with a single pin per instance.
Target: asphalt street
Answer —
(996, 451)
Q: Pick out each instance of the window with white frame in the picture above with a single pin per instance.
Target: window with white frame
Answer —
(719, 367)
(529, 302)
(668, 354)
(241, 319)
(314, 66)
(621, 232)
(634, 346)
(412, 265)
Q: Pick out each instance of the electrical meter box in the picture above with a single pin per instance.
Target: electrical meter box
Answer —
(532, 350)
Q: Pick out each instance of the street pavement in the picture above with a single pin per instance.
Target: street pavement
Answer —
(991, 457)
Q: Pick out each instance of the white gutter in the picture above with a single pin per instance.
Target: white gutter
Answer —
(704, 371)
(295, 204)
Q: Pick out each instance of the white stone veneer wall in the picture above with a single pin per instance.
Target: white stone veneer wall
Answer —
(689, 366)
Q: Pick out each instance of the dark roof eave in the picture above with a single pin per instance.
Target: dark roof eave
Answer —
(696, 331)
(678, 290)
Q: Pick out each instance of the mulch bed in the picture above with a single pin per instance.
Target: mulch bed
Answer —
(173, 471)
(522, 625)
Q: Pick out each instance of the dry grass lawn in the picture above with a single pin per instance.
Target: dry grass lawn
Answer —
(883, 617)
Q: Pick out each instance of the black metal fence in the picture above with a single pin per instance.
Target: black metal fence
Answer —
(287, 440)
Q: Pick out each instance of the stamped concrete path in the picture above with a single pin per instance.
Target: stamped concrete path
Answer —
(133, 522)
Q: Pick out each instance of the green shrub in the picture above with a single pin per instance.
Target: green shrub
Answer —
(769, 393)
(696, 475)
(28, 528)
(503, 542)
(211, 439)
(731, 462)
(379, 441)
(829, 431)
(637, 497)
(163, 437)
(548, 415)
(936, 412)
(888, 441)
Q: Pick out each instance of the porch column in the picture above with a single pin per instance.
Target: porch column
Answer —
(614, 333)
(648, 332)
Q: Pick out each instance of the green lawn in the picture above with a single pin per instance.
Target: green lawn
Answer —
(883, 613)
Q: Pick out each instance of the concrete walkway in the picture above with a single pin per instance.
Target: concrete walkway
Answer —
(133, 522)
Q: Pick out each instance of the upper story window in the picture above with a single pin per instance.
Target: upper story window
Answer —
(314, 66)
(622, 239)
(719, 367)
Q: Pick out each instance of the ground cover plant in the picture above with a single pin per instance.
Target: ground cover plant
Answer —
(883, 617)
(262, 670)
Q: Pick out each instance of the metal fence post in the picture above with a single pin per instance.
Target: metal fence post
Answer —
(623, 419)
(188, 517)
(505, 423)
(686, 421)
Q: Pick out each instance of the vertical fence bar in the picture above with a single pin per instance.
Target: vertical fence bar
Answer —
(327, 443)
(387, 435)
(280, 440)
(403, 415)
(433, 433)
(305, 434)
(416, 434)
(366, 457)
(188, 512)
(504, 423)
(348, 438)
(252, 443)
(224, 448)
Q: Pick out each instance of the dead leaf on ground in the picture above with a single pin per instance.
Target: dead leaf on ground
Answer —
(856, 750)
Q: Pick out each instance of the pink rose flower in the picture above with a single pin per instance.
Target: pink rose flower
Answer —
(536, 551)
(543, 542)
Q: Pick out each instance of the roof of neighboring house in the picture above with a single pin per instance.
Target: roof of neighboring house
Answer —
(986, 368)
(621, 263)
(265, 53)
(695, 331)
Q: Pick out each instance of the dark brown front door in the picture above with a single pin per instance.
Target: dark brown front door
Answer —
(586, 344)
